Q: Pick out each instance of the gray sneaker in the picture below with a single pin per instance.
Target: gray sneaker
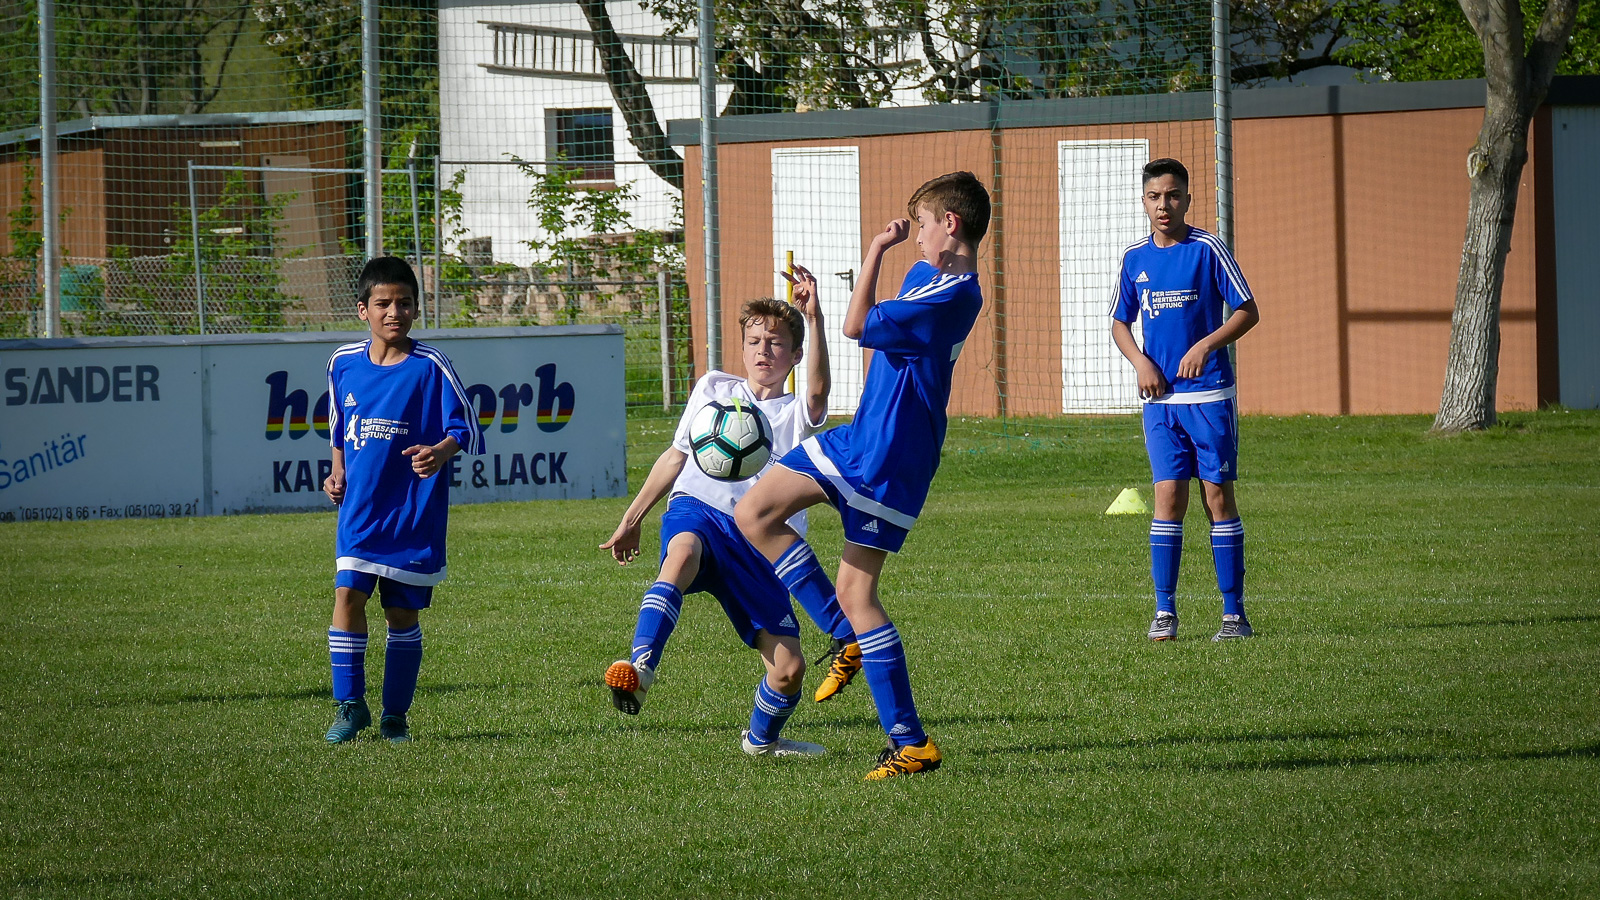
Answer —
(1234, 628)
(781, 747)
(1164, 627)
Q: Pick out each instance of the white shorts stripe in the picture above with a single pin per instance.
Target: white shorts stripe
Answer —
(357, 564)
(852, 499)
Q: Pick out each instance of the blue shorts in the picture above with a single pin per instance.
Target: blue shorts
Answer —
(730, 570)
(862, 528)
(1192, 440)
(394, 593)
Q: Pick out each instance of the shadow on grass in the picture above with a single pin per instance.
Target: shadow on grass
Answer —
(317, 693)
(1330, 759)
(1508, 623)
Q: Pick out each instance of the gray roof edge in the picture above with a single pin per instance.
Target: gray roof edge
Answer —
(195, 120)
(302, 337)
(1253, 103)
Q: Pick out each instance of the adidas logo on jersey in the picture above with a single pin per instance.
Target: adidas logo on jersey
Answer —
(349, 399)
(788, 622)
(871, 526)
(1142, 278)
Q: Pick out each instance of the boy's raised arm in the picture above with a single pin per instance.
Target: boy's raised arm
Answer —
(865, 296)
(819, 378)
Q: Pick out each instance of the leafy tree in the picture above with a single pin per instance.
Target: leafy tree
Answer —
(1431, 40)
(589, 246)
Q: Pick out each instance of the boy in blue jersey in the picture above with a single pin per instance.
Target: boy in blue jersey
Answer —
(877, 469)
(1175, 283)
(397, 413)
(701, 547)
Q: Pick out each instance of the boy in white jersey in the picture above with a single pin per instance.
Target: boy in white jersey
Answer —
(1176, 283)
(397, 412)
(701, 547)
(877, 469)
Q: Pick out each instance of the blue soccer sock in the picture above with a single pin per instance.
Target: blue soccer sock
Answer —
(402, 660)
(347, 651)
(883, 661)
(1166, 551)
(771, 711)
(1227, 553)
(800, 572)
(658, 615)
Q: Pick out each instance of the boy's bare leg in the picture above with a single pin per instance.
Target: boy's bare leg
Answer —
(859, 570)
(763, 513)
(682, 562)
(1172, 500)
(349, 610)
(1219, 501)
(776, 697)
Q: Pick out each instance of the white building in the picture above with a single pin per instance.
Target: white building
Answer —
(522, 80)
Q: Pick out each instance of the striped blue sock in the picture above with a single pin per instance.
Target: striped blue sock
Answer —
(771, 711)
(800, 572)
(402, 660)
(1227, 553)
(883, 661)
(347, 651)
(1166, 551)
(658, 615)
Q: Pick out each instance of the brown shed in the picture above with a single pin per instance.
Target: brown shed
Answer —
(1350, 207)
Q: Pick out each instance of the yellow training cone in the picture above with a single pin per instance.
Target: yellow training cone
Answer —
(1128, 503)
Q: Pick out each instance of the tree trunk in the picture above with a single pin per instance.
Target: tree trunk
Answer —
(1517, 84)
(627, 88)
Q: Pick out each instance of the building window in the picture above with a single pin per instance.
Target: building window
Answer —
(582, 137)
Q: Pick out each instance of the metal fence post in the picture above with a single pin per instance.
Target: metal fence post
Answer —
(1222, 117)
(438, 241)
(194, 236)
(665, 302)
(416, 232)
(708, 183)
(372, 139)
(48, 172)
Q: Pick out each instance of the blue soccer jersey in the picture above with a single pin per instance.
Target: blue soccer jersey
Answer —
(391, 522)
(1177, 294)
(883, 461)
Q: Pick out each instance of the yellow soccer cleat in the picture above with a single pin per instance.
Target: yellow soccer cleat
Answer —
(904, 760)
(846, 663)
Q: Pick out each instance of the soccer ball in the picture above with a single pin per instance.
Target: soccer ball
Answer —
(731, 439)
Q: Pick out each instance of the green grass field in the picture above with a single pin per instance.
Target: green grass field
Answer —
(1419, 716)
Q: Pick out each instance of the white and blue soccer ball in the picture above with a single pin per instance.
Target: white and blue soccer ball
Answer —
(730, 439)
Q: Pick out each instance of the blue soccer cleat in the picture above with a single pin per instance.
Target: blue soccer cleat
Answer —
(352, 716)
(394, 729)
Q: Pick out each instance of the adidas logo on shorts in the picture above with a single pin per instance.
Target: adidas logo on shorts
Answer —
(788, 622)
(871, 526)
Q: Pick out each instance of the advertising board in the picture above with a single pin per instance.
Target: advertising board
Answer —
(101, 428)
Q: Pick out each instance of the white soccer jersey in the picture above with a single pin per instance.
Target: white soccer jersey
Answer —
(787, 416)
